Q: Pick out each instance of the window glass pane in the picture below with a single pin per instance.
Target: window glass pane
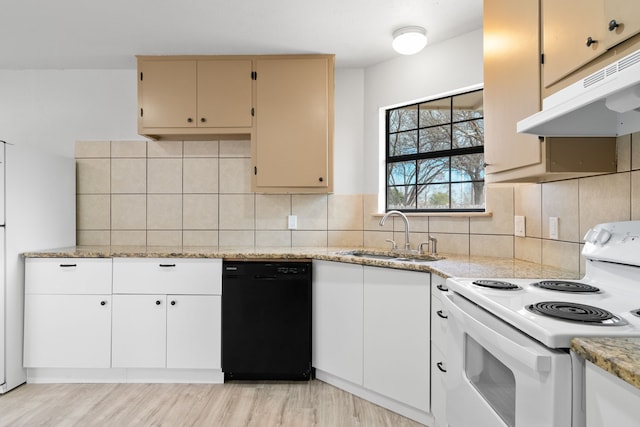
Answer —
(468, 106)
(403, 143)
(435, 112)
(467, 195)
(435, 196)
(401, 173)
(405, 118)
(434, 170)
(441, 145)
(468, 134)
(435, 139)
(469, 167)
(401, 197)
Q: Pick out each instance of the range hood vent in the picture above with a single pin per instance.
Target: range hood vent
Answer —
(605, 103)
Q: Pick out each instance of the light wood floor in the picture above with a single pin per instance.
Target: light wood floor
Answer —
(298, 404)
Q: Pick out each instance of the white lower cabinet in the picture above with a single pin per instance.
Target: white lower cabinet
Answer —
(67, 331)
(139, 331)
(610, 401)
(156, 330)
(371, 332)
(438, 351)
(194, 331)
(172, 331)
(396, 335)
(337, 319)
(123, 319)
(67, 318)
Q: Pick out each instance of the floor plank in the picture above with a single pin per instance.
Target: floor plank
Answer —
(234, 404)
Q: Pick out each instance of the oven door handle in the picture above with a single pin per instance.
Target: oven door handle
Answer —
(496, 341)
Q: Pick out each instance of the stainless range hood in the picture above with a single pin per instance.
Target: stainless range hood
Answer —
(605, 103)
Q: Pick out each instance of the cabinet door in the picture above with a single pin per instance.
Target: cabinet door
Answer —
(224, 93)
(167, 93)
(67, 331)
(294, 122)
(193, 331)
(139, 331)
(337, 319)
(567, 25)
(626, 13)
(511, 83)
(396, 335)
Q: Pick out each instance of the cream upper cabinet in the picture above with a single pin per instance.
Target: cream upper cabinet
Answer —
(622, 20)
(511, 82)
(575, 32)
(186, 96)
(512, 91)
(293, 145)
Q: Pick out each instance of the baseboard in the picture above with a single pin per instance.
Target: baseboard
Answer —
(122, 375)
(378, 399)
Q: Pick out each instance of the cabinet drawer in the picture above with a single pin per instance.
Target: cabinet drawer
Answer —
(438, 323)
(438, 286)
(167, 276)
(68, 276)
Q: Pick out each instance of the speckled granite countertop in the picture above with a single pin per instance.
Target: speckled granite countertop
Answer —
(618, 356)
(448, 266)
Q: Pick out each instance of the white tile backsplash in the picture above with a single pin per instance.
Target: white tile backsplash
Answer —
(198, 193)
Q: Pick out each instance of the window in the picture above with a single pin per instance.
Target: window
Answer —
(435, 155)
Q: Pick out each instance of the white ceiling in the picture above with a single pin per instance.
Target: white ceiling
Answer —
(63, 34)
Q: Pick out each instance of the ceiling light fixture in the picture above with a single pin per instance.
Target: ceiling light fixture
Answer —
(409, 40)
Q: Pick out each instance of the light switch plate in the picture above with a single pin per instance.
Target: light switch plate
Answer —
(553, 227)
(519, 226)
(292, 221)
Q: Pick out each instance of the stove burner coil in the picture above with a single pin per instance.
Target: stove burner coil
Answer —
(565, 286)
(496, 284)
(575, 312)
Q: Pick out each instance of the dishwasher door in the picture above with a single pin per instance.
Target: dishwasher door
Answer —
(266, 320)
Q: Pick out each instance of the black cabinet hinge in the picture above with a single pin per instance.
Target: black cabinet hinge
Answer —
(254, 75)
(141, 76)
(255, 170)
(142, 112)
(542, 58)
(253, 112)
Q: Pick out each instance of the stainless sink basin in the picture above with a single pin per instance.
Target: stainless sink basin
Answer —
(391, 256)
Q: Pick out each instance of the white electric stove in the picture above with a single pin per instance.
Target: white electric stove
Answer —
(509, 339)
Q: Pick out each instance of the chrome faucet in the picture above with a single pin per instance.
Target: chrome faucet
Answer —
(407, 245)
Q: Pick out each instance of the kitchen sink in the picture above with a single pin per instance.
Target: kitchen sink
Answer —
(391, 256)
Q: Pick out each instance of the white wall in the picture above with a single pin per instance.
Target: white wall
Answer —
(438, 69)
(52, 109)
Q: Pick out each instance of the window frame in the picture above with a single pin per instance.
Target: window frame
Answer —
(418, 156)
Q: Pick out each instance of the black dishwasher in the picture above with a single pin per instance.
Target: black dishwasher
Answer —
(266, 320)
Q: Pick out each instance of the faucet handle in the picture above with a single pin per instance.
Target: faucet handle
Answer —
(420, 249)
(434, 245)
(394, 246)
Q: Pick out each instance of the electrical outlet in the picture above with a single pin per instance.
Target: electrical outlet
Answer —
(553, 227)
(519, 226)
(292, 221)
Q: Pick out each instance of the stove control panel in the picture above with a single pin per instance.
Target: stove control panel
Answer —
(614, 241)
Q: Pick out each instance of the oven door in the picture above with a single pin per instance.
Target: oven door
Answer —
(498, 376)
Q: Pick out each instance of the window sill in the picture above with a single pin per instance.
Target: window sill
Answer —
(442, 214)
